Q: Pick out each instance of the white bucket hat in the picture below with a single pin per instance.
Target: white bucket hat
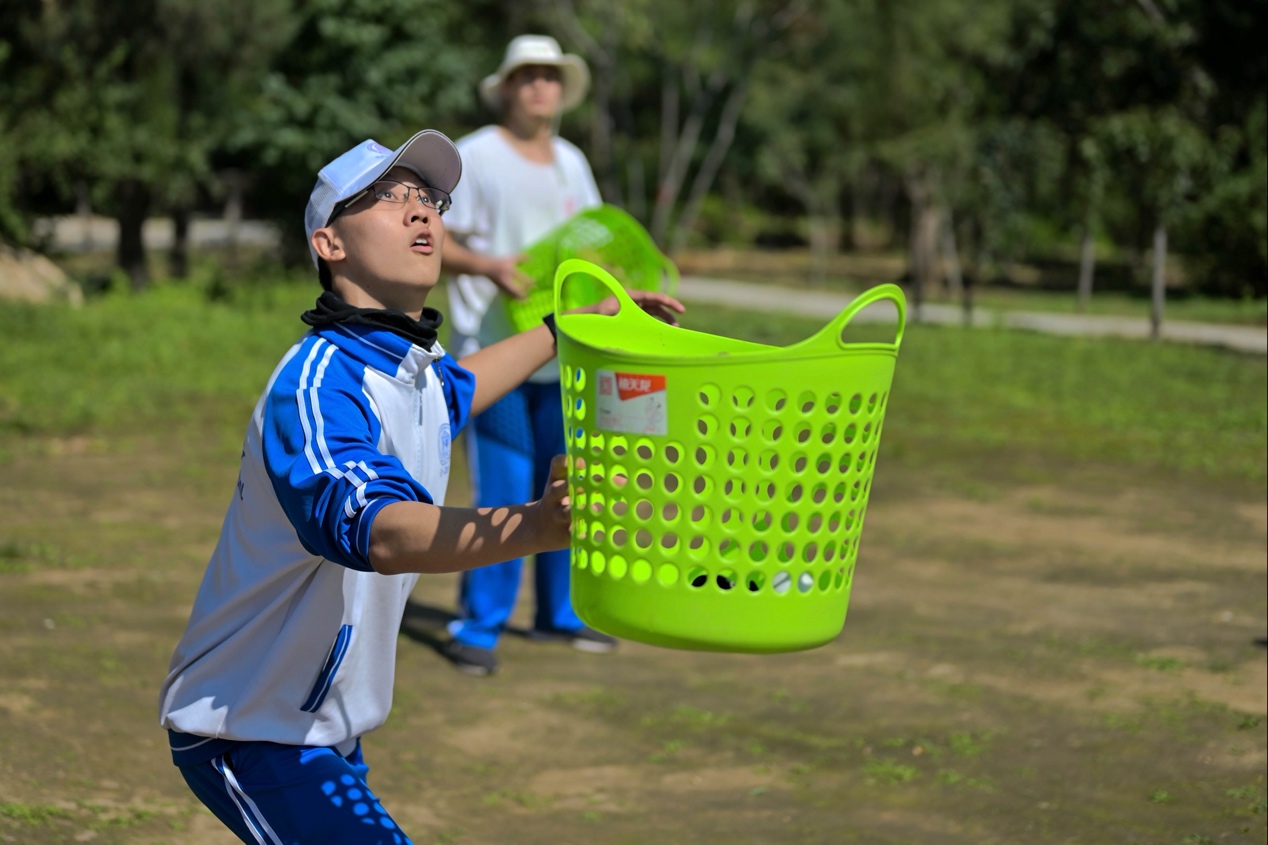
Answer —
(538, 50)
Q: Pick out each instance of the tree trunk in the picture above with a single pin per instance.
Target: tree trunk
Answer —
(922, 248)
(83, 210)
(1159, 285)
(234, 185)
(951, 261)
(178, 260)
(1087, 267)
(134, 207)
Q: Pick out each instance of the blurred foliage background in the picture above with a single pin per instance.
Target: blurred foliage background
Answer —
(969, 138)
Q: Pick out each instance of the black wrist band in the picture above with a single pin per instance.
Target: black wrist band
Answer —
(549, 320)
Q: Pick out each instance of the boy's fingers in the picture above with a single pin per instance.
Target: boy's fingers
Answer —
(559, 468)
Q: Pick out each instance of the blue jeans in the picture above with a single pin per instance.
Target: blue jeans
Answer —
(510, 449)
(271, 794)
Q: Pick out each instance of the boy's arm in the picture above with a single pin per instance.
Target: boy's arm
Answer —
(419, 537)
(503, 366)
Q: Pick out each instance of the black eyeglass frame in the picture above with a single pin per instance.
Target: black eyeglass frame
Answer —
(425, 198)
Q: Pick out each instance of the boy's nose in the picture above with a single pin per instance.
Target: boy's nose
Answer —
(415, 212)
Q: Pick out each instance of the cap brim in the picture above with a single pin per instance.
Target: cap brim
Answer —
(432, 156)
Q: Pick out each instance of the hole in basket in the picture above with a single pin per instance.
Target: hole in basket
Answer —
(856, 402)
(758, 551)
(849, 520)
(867, 432)
(644, 509)
(709, 395)
(700, 515)
(597, 473)
(641, 571)
(644, 480)
(772, 430)
(828, 434)
(819, 494)
(580, 559)
(669, 512)
(803, 432)
(790, 522)
(856, 491)
(697, 577)
(742, 398)
(736, 458)
(834, 523)
(829, 551)
(786, 553)
(726, 579)
(756, 581)
(843, 465)
(850, 431)
(838, 493)
(734, 489)
(781, 582)
(740, 428)
(728, 549)
(579, 437)
(644, 449)
(698, 546)
(833, 403)
(795, 493)
(669, 541)
(805, 582)
(579, 529)
(579, 408)
(806, 401)
(761, 521)
(667, 575)
(840, 578)
(765, 491)
(579, 379)
(702, 485)
(598, 563)
(816, 522)
(810, 552)
(776, 400)
(871, 403)
(596, 532)
(731, 514)
(824, 464)
(673, 453)
(617, 567)
(706, 425)
(672, 482)
(643, 538)
(618, 445)
(799, 463)
(596, 503)
(705, 456)
(767, 461)
(596, 443)
(825, 580)
(619, 537)
(620, 507)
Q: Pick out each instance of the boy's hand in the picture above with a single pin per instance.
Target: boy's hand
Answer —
(662, 306)
(555, 507)
(505, 273)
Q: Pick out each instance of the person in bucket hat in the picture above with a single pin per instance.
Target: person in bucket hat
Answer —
(289, 655)
(523, 180)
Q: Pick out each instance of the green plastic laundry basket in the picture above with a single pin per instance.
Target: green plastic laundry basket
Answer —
(606, 236)
(718, 486)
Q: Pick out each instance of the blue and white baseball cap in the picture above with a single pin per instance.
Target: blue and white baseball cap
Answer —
(431, 155)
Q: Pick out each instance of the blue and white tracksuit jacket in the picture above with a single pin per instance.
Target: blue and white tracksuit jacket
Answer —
(292, 638)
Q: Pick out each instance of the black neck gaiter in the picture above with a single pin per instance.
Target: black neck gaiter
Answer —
(330, 309)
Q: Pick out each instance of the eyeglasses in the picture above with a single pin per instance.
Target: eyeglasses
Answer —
(398, 193)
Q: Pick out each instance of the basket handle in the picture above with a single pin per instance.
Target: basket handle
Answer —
(579, 265)
(833, 330)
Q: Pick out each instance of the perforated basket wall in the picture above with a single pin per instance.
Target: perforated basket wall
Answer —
(606, 236)
(719, 487)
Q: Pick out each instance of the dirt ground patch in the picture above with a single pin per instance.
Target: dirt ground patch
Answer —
(1060, 663)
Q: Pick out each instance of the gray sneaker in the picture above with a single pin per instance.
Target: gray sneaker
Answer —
(470, 659)
(582, 639)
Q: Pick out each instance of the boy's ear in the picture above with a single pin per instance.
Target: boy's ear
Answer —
(328, 244)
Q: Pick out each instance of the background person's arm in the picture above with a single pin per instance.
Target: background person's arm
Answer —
(501, 271)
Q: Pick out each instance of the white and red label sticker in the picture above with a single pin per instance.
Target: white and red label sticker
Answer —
(632, 402)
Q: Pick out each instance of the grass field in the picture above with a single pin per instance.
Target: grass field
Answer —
(1051, 635)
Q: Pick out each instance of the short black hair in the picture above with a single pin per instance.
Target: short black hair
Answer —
(324, 276)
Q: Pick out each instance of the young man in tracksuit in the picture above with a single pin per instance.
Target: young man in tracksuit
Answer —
(289, 656)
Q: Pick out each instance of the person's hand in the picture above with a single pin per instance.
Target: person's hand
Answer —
(555, 507)
(505, 273)
(662, 306)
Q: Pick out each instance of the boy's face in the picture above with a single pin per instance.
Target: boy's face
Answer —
(535, 91)
(389, 249)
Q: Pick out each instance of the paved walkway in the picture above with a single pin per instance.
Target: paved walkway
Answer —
(824, 304)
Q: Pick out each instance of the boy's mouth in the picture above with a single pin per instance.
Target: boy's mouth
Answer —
(422, 245)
